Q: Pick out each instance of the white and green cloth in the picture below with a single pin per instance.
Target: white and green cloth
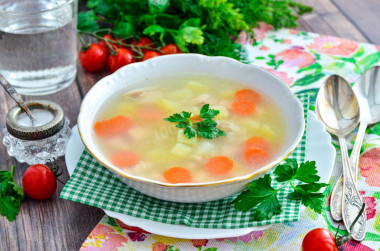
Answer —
(93, 184)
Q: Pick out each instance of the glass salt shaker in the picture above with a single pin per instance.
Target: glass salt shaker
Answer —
(41, 140)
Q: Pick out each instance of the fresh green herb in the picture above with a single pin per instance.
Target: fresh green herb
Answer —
(198, 26)
(206, 128)
(261, 197)
(11, 195)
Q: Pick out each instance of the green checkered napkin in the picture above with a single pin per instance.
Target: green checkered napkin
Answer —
(93, 184)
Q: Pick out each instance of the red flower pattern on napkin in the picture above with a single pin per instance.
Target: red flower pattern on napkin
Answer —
(369, 166)
(333, 45)
(295, 58)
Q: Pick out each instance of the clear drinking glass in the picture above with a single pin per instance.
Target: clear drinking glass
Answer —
(38, 44)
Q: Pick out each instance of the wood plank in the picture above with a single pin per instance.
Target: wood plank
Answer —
(328, 20)
(365, 15)
(54, 224)
(87, 80)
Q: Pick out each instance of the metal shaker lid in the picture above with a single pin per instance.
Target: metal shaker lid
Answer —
(35, 132)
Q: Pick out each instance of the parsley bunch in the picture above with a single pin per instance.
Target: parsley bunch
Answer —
(11, 195)
(206, 128)
(197, 26)
(261, 197)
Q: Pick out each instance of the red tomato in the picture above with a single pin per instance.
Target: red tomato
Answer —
(39, 182)
(122, 57)
(144, 41)
(104, 44)
(94, 59)
(150, 54)
(170, 49)
(319, 239)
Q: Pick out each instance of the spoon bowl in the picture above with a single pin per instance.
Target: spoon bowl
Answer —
(337, 106)
(368, 95)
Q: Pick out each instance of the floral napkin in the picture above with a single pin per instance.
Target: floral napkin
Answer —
(300, 59)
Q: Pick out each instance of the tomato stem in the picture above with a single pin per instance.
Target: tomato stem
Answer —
(357, 217)
(135, 48)
(85, 46)
(343, 239)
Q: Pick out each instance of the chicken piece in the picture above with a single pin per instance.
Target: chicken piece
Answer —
(203, 99)
(144, 95)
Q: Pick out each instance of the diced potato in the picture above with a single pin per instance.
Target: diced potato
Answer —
(168, 106)
(266, 131)
(137, 133)
(157, 156)
(205, 147)
(180, 95)
(197, 87)
(223, 112)
(180, 149)
(227, 94)
(124, 108)
(251, 125)
(258, 129)
(181, 138)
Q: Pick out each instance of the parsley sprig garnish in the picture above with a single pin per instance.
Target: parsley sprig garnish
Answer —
(206, 128)
(262, 198)
(11, 195)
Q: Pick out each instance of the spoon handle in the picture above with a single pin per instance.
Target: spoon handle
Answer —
(337, 193)
(351, 203)
(12, 92)
(355, 154)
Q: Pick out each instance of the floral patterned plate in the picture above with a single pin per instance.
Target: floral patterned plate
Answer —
(319, 149)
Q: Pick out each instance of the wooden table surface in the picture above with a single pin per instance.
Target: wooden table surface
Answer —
(58, 224)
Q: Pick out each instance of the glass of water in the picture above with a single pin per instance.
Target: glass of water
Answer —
(38, 44)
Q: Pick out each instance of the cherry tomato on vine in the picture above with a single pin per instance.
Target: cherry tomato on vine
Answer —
(103, 44)
(94, 58)
(170, 49)
(39, 182)
(144, 41)
(319, 239)
(150, 54)
(123, 57)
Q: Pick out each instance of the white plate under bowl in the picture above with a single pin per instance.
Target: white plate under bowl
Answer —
(319, 148)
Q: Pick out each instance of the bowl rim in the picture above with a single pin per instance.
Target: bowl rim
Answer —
(200, 184)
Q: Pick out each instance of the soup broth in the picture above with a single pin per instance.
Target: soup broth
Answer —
(131, 132)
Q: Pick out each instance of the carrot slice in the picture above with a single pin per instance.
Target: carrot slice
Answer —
(113, 127)
(219, 165)
(259, 143)
(151, 114)
(178, 175)
(255, 156)
(195, 118)
(124, 159)
(247, 95)
(243, 107)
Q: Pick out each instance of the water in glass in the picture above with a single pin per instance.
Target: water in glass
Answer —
(38, 46)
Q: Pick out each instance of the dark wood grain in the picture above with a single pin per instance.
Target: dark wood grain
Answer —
(54, 224)
(86, 81)
(58, 224)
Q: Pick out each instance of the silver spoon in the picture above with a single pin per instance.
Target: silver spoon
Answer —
(12, 92)
(338, 108)
(368, 95)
